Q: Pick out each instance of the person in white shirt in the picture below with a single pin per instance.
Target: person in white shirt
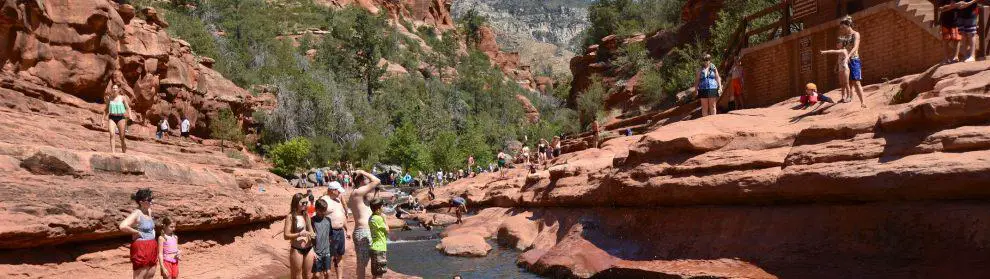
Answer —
(184, 127)
(163, 129)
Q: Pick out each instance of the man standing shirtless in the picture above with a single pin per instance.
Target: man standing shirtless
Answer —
(359, 203)
(338, 224)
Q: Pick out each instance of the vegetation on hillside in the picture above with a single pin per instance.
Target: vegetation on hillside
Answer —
(661, 80)
(341, 106)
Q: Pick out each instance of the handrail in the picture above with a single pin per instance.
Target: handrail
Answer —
(740, 39)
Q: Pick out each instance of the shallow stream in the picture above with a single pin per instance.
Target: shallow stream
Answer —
(414, 253)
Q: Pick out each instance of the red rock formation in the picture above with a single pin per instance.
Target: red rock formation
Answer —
(532, 114)
(767, 192)
(81, 46)
(435, 13)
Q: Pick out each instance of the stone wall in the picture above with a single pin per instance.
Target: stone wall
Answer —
(893, 45)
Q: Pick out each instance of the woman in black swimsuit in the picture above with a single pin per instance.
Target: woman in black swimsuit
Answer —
(299, 232)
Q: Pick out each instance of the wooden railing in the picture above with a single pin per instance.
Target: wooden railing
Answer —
(741, 38)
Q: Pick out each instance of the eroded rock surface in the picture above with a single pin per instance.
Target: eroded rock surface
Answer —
(762, 193)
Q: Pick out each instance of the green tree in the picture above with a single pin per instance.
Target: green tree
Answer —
(405, 149)
(445, 153)
(591, 103)
(225, 128)
(471, 24)
(290, 156)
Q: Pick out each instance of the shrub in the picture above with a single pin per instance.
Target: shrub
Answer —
(591, 103)
(290, 156)
(225, 128)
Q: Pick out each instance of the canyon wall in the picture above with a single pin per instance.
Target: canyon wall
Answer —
(831, 191)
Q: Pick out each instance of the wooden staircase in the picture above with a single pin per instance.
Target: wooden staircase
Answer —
(923, 13)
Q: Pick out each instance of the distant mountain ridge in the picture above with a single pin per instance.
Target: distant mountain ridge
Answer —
(543, 32)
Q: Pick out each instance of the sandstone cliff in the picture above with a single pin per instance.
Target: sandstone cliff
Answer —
(836, 191)
(79, 47)
(64, 192)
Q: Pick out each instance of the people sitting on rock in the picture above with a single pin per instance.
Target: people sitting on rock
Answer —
(708, 86)
(118, 112)
(812, 96)
(169, 254)
(140, 224)
(843, 72)
(298, 230)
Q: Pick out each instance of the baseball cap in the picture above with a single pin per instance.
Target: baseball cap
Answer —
(334, 185)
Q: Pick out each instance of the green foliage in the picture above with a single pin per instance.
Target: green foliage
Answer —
(627, 17)
(471, 23)
(290, 156)
(591, 102)
(338, 106)
(405, 149)
(445, 153)
(225, 128)
(651, 87)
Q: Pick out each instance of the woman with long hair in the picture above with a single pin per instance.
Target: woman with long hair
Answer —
(144, 245)
(708, 86)
(117, 113)
(298, 231)
(851, 40)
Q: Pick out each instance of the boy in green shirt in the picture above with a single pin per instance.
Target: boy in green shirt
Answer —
(379, 237)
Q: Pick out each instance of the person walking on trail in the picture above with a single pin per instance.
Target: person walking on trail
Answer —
(184, 127)
(968, 21)
(338, 225)
(736, 80)
(542, 147)
(851, 40)
(843, 71)
(359, 202)
(596, 131)
(163, 129)
(556, 146)
(945, 16)
(502, 160)
(140, 224)
(118, 112)
(379, 239)
(708, 86)
(298, 230)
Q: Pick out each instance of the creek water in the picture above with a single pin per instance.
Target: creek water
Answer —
(414, 253)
